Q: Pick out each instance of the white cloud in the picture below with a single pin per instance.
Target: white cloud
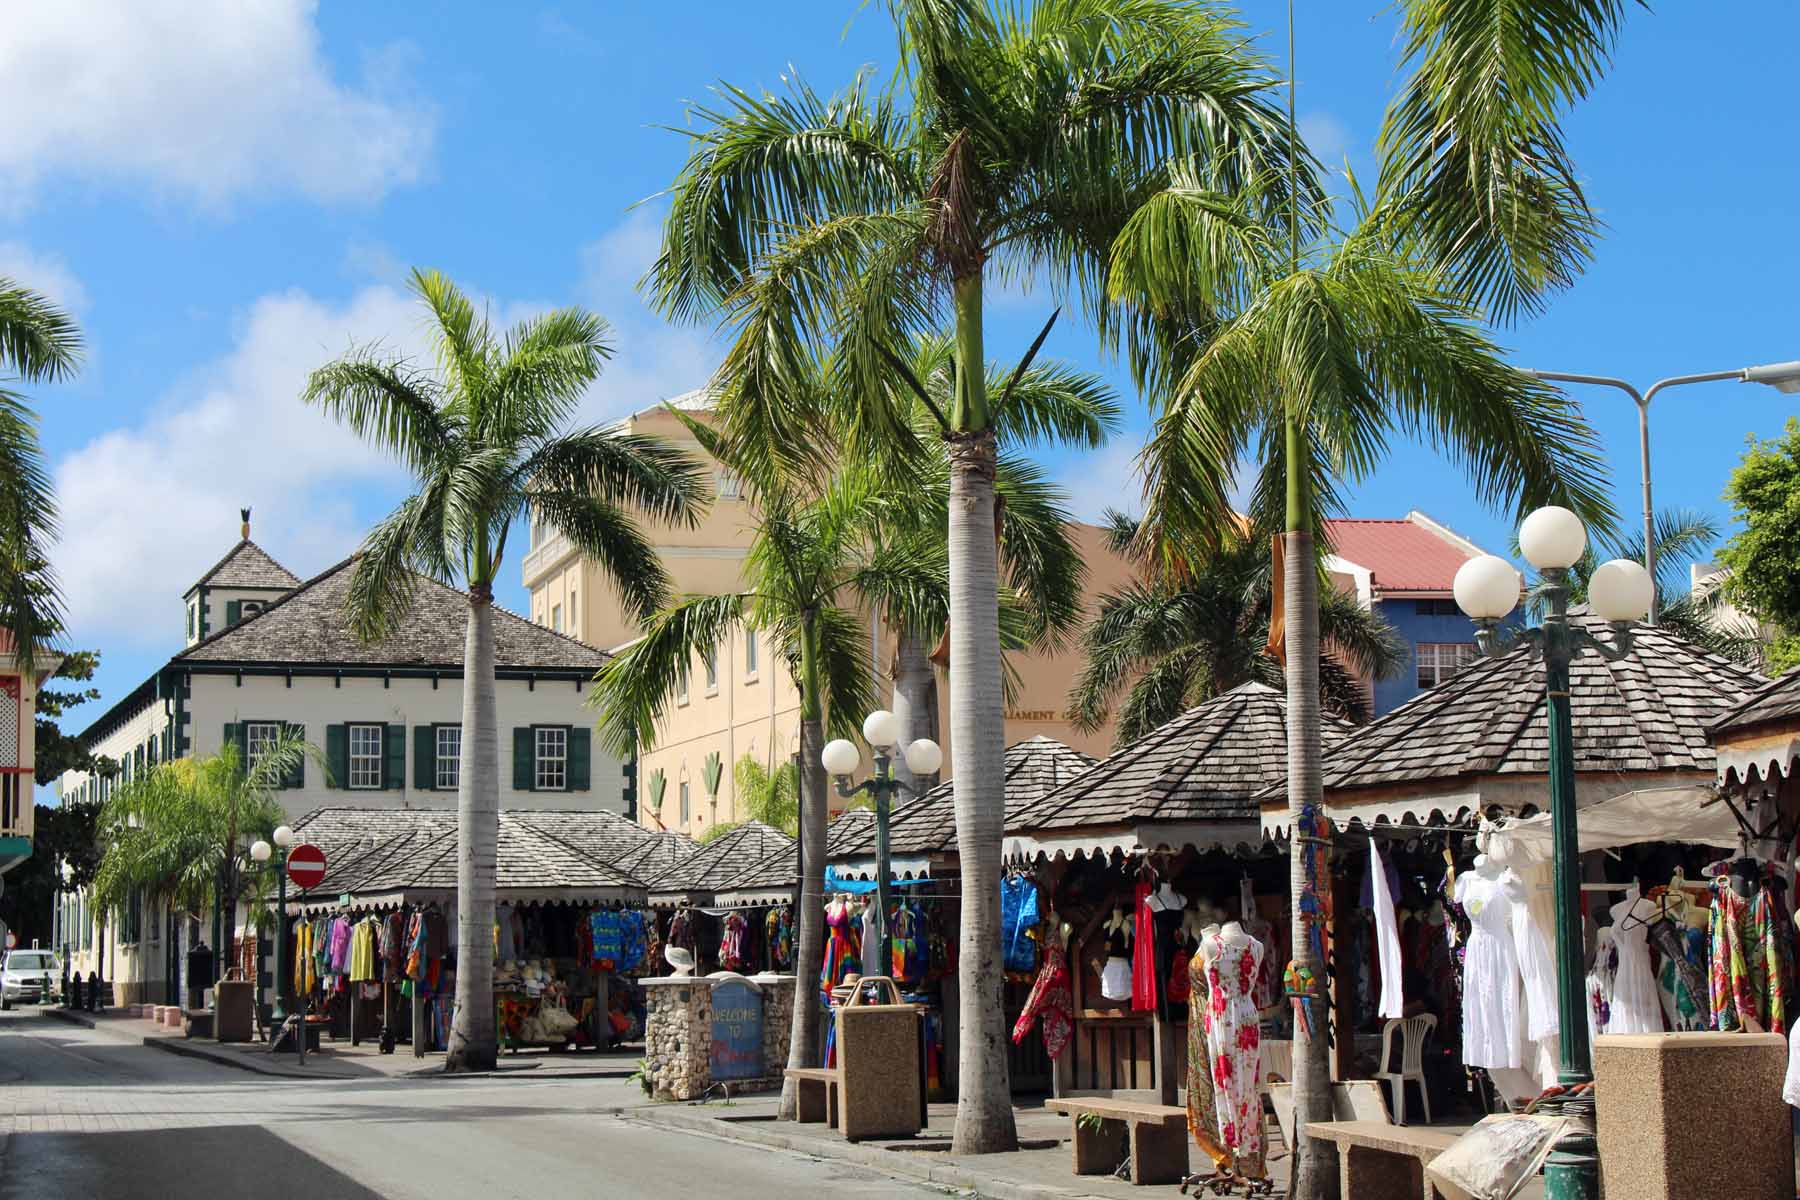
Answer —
(146, 510)
(45, 273)
(1097, 480)
(204, 99)
(1327, 136)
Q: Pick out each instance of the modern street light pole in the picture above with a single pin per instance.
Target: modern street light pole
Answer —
(262, 853)
(882, 731)
(1783, 377)
(1487, 589)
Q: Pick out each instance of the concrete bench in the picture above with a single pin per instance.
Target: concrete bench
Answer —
(1384, 1162)
(815, 1094)
(1157, 1135)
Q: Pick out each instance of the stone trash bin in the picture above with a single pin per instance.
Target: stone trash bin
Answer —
(1686, 1115)
(234, 1005)
(880, 1051)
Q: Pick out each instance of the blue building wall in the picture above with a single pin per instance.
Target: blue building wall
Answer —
(1413, 628)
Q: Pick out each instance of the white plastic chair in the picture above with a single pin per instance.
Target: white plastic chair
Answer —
(1414, 1030)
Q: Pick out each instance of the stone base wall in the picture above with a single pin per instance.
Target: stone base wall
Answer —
(678, 1034)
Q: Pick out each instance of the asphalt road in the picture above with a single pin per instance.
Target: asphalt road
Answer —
(83, 1114)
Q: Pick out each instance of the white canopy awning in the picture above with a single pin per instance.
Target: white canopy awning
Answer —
(1674, 814)
(1148, 837)
(1771, 760)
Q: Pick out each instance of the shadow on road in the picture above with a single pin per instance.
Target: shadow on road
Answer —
(226, 1160)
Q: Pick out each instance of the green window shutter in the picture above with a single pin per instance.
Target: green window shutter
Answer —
(337, 754)
(231, 739)
(580, 753)
(234, 611)
(425, 758)
(393, 745)
(524, 760)
(296, 776)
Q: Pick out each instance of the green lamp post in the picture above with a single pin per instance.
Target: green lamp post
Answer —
(1620, 592)
(881, 729)
(262, 852)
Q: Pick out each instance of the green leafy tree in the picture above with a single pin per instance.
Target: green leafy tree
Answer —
(484, 437)
(39, 343)
(772, 797)
(1192, 627)
(1762, 560)
(1015, 141)
(55, 750)
(65, 853)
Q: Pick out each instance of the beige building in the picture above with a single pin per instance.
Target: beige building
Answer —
(741, 700)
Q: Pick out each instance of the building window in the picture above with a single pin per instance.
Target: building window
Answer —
(251, 608)
(681, 685)
(710, 659)
(365, 756)
(574, 620)
(1436, 608)
(750, 653)
(552, 759)
(556, 617)
(730, 486)
(684, 802)
(449, 757)
(193, 621)
(260, 737)
(1438, 661)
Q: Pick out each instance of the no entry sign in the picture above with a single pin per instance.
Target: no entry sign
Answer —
(306, 866)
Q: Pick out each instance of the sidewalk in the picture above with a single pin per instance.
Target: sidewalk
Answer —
(340, 1060)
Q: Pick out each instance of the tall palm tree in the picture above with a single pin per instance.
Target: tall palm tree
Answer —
(39, 343)
(1016, 139)
(1183, 633)
(485, 440)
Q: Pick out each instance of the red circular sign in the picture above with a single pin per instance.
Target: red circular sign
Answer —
(306, 866)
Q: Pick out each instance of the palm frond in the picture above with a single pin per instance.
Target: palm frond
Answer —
(631, 691)
(606, 533)
(37, 338)
(385, 401)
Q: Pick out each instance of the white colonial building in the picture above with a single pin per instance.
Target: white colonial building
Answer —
(267, 652)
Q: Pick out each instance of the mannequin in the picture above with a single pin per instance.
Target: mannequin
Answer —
(1115, 975)
(1493, 1030)
(1233, 959)
(1636, 1007)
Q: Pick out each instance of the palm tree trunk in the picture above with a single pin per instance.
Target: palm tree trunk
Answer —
(984, 1116)
(472, 1042)
(915, 685)
(1315, 1159)
(809, 948)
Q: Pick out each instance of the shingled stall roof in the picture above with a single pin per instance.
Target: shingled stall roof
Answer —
(1481, 738)
(380, 858)
(1191, 782)
(308, 627)
(775, 878)
(657, 853)
(248, 565)
(922, 831)
(1759, 740)
(718, 863)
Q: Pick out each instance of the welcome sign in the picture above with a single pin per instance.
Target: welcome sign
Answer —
(737, 1031)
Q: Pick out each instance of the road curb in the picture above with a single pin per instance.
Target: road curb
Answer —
(898, 1164)
(185, 1048)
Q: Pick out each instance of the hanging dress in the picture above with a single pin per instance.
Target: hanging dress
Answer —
(1202, 1108)
(1600, 984)
(1143, 955)
(1115, 975)
(1051, 1002)
(1537, 968)
(1680, 977)
(1635, 1006)
(1772, 931)
(1491, 1026)
(1392, 1002)
(1234, 1042)
(731, 942)
(840, 949)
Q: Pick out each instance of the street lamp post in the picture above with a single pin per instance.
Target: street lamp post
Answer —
(1783, 377)
(1487, 589)
(881, 729)
(262, 852)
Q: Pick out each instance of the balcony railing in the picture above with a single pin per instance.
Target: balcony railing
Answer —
(551, 550)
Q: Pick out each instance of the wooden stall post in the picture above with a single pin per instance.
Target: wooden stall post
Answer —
(421, 1039)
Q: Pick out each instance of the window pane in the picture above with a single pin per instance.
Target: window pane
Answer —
(449, 757)
(260, 738)
(684, 804)
(556, 617)
(552, 759)
(750, 652)
(365, 756)
(712, 667)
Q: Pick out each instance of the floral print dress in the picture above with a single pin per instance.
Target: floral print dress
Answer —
(1234, 1042)
(1203, 1111)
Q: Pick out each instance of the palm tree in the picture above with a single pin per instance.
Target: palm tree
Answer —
(1016, 140)
(1182, 634)
(812, 552)
(484, 438)
(39, 343)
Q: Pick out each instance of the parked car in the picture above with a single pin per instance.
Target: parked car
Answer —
(30, 977)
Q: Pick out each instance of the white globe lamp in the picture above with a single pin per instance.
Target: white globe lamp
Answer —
(1552, 537)
(1486, 588)
(840, 757)
(881, 729)
(284, 836)
(259, 850)
(924, 757)
(1621, 590)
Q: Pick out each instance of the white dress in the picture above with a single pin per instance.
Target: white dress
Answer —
(1491, 1026)
(1387, 938)
(1636, 1007)
(1536, 966)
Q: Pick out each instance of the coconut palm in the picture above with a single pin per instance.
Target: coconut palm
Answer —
(484, 436)
(1183, 633)
(39, 343)
(1014, 142)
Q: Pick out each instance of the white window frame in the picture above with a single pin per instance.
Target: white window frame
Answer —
(556, 617)
(359, 759)
(750, 664)
(574, 626)
(550, 757)
(730, 485)
(681, 685)
(445, 755)
(259, 738)
(1441, 660)
(709, 659)
(685, 799)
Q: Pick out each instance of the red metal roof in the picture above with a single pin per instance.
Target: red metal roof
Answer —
(1406, 555)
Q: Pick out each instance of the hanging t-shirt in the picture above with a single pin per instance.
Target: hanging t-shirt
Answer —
(1018, 916)
(608, 936)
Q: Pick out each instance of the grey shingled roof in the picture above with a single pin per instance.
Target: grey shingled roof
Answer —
(383, 852)
(1776, 701)
(247, 565)
(657, 853)
(1650, 711)
(927, 825)
(722, 861)
(308, 625)
(782, 868)
(1207, 764)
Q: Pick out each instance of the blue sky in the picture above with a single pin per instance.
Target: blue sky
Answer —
(228, 198)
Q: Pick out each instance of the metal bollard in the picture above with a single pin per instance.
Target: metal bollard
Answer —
(93, 991)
